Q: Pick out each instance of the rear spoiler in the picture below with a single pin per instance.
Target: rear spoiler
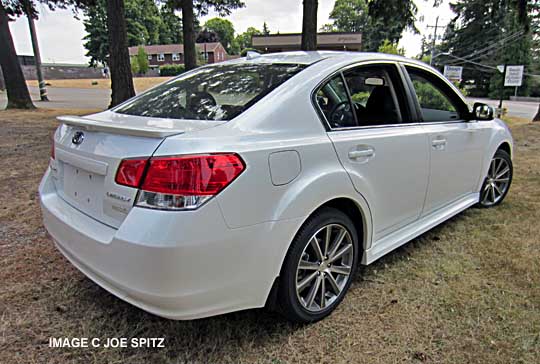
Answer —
(142, 130)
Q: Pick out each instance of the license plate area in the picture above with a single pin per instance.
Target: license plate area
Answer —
(84, 189)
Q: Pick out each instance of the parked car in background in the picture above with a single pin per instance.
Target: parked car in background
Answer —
(267, 180)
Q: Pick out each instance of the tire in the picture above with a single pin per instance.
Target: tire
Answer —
(498, 180)
(327, 275)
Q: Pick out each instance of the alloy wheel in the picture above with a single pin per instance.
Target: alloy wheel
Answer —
(324, 267)
(497, 182)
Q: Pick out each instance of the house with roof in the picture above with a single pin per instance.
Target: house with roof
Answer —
(161, 54)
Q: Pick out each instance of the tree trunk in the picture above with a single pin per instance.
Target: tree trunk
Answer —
(309, 26)
(188, 29)
(119, 65)
(537, 116)
(17, 91)
(35, 48)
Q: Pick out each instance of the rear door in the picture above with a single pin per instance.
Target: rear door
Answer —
(385, 155)
(455, 144)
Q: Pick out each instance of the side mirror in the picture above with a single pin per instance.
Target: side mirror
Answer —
(482, 111)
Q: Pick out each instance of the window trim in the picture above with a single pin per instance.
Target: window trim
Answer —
(161, 57)
(343, 69)
(463, 109)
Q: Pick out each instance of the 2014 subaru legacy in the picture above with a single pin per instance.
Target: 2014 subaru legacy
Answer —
(267, 180)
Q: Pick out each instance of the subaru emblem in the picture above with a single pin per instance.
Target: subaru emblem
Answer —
(78, 138)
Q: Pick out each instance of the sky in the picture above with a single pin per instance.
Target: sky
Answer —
(60, 33)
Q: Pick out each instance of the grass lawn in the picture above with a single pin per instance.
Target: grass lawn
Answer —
(466, 292)
(140, 83)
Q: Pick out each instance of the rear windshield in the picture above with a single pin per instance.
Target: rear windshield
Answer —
(219, 92)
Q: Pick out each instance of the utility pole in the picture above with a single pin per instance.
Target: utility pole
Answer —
(35, 47)
(501, 94)
(434, 39)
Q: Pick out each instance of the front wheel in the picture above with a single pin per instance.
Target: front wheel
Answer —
(318, 268)
(498, 180)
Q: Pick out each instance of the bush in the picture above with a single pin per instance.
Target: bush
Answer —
(142, 60)
(171, 69)
(134, 65)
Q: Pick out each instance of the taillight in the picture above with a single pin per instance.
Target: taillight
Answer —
(130, 172)
(179, 182)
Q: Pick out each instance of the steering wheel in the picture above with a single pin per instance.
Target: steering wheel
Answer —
(340, 112)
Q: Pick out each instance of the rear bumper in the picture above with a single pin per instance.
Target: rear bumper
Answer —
(179, 265)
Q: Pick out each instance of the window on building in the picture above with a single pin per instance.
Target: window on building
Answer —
(161, 57)
(175, 57)
(149, 57)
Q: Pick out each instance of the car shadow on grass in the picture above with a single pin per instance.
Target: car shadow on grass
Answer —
(227, 338)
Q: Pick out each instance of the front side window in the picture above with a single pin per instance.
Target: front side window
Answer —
(175, 57)
(161, 57)
(435, 99)
(219, 92)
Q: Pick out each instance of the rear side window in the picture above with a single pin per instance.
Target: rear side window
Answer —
(211, 93)
(333, 100)
(375, 93)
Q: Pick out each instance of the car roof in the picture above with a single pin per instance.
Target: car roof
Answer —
(311, 57)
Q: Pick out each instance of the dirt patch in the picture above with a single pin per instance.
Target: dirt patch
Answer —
(465, 292)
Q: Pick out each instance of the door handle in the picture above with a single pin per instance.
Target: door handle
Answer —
(362, 153)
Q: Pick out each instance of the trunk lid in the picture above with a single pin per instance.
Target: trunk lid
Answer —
(88, 151)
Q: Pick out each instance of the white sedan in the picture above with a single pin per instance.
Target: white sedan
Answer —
(266, 180)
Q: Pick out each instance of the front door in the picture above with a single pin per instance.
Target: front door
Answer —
(455, 144)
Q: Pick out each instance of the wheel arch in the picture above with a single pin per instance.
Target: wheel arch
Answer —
(355, 210)
(506, 147)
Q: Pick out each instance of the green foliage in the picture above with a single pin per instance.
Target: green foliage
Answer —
(145, 22)
(349, 16)
(387, 20)
(461, 88)
(171, 69)
(221, 7)
(170, 31)
(390, 48)
(224, 30)
(480, 23)
(142, 60)
(361, 97)
(243, 41)
(134, 62)
(266, 30)
(377, 20)
(431, 98)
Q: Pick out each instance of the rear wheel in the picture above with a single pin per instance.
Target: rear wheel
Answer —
(318, 268)
(498, 180)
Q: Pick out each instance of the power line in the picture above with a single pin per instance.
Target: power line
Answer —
(497, 45)
(464, 60)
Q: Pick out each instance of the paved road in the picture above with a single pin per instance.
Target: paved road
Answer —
(79, 98)
(520, 109)
(68, 98)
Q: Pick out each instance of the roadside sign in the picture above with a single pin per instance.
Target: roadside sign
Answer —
(453, 73)
(514, 76)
